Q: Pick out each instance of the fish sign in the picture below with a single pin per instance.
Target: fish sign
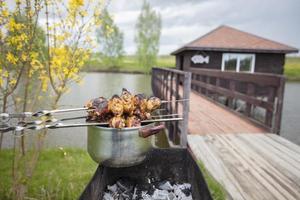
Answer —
(200, 59)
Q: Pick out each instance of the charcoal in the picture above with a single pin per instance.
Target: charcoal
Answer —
(125, 185)
(166, 186)
(125, 189)
(160, 195)
(172, 196)
(112, 188)
(108, 196)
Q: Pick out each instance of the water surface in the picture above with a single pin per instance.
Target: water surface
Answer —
(107, 84)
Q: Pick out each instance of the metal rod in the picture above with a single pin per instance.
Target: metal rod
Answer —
(61, 125)
(163, 120)
(7, 116)
(178, 100)
(49, 112)
(167, 115)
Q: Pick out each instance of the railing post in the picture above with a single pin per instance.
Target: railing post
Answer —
(231, 99)
(218, 85)
(279, 107)
(269, 113)
(186, 108)
(250, 92)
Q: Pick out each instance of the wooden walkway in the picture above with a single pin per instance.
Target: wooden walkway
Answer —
(206, 117)
(248, 161)
(251, 166)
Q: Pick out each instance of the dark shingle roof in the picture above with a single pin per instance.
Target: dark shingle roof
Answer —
(225, 38)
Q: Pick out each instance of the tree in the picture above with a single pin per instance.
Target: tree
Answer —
(37, 68)
(111, 40)
(147, 37)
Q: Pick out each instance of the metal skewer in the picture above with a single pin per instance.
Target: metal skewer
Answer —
(7, 116)
(167, 115)
(61, 125)
(49, 112)
(178, 100)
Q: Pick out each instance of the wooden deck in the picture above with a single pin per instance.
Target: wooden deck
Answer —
(206, 117)
(251, 166)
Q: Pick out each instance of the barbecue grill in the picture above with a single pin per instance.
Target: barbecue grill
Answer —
(123, 153)
(174, 165)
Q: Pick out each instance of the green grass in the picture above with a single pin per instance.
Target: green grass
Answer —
(64, 173)
(292, 68)
(129, 64)
(216, 190)
(60, 174)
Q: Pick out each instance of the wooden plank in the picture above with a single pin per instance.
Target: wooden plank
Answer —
(282, 141)
(269, 169)
(216, 167)
(206, 117)
(246, 164)
(250, 166)
(290, 171)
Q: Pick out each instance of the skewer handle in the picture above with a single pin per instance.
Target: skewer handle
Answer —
(49, 112)
(60, 125)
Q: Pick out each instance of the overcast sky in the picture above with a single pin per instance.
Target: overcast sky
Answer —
(185, 20)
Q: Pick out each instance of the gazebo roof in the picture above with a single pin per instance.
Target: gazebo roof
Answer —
(225, 38)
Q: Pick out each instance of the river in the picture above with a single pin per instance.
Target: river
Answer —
(107, 84)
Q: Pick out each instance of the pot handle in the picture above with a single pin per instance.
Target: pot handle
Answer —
(146, 132)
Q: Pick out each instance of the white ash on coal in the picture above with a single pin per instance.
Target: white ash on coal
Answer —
(125, 189)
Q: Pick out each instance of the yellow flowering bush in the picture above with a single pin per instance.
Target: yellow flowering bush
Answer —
(41, 56)
(59, 54)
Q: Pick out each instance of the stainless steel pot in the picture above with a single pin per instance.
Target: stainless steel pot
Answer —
(120, 147)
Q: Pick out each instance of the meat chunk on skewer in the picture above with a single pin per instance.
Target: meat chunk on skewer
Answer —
(115, 105)
(140, 102)
(153, 103)
(99, 109)
(132, 121)
(142, 115)
(128, 103)
(117, 122)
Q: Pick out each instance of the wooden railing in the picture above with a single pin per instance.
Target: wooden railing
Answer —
(257, 96)
(171, 85)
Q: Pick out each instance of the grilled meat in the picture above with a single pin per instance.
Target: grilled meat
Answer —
(117, 122)
(132, 121)
(115, 105)
(140, 102)
(128, 103)
(153, 103)
(122, 111)
(99, 109)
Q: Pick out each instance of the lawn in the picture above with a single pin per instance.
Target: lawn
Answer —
(60, 174)
(64, 173)
(130, 64)
(292, 68)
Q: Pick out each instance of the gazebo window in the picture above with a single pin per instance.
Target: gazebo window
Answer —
(238, 62)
